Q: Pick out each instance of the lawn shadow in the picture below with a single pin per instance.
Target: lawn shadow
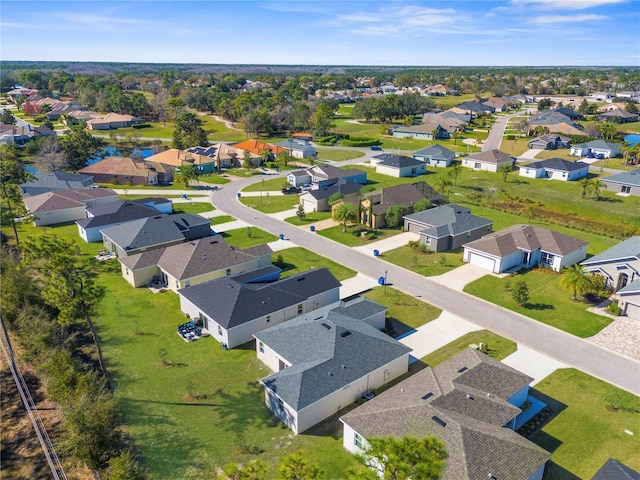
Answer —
(540, 437)
(395, 328)
(609, 199)
(539, 306)
(554, 471)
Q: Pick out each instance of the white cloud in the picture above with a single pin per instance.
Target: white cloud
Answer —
(547, 19)
(565, 4)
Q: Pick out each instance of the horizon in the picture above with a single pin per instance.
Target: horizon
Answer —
(412, 34)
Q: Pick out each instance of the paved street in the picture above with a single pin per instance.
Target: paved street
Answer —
(593, 359)
(496, 133)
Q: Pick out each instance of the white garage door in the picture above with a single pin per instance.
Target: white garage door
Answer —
(482, 261)
(633, 311)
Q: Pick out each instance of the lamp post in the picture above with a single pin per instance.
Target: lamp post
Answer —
(385, 282)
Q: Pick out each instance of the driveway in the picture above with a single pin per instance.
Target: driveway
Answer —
(457, 278)
(533, 363)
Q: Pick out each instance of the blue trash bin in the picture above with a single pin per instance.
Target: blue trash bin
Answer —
(282, 236)
(381, 281)
(312, 228)
(376, 253)
(239, 194)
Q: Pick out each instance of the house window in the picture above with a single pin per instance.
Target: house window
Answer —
(228, 271)
(358, 441)
(546, 258)
(414, 171)
(299, 309)
(427, 240)
(219, 330)
(476, 165)
(268, 318)
(280, 404)
(261, 347)
(187, 283)
(625, 189)
(127, 271)
(177, 284)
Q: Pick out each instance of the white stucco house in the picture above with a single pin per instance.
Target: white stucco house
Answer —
(491, 160)
(555, 169)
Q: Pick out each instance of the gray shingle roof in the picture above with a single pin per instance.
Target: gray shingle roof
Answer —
(602, 145)
(450, 219)
(326, 355)
(628, 249)
(476, 442)
(231, 303)
(50, 181)
(525, 237)
(627, 178)
(614, 470)
(397, 161)
(62, 199)
(155, 230)
(346, 188)
(631, 288)
(557, 164)
(116, 212)
(436, 152)
(492, 156)
(142, 260)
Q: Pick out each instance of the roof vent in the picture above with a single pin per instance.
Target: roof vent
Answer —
(301, 279)
(330, 374)
(326, 325)
(463, 369)
(344, 366)
(439, 421)
(346, 333)
(427, 396)
(470, 397)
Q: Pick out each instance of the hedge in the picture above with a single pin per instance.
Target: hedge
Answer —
(360, 142)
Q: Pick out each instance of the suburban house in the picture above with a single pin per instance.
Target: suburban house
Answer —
(324, 361)
(550, 141)
(233, 309)
(375, 204)
(618, 115)
(155, 232)
(615, 470)
(112, 120)
(629, 299)
(620, 265)
(110, 215)
(399, 165)
(424, 131)
(258, 149)
(447, 227)
(222, 155)
(608, 149)
(317, 200)
(475, 109)
(175, 158)
(326, 175)
(625, 183)
(194, 262)
(472, 403)
(61, 206)
(450, 121)
(555, 169)
(52, 181)
(435, 155)
(122, 171)
(524, 246)
(21, 134)
(298, 148)
(491, 160)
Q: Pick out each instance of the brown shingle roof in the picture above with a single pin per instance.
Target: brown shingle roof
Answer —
(492, 156)
(61, 199)
(119, 166)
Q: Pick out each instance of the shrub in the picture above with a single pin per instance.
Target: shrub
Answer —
(371, 236)
(141, 125)
(613, 308)
(510, 137)
(360, 142)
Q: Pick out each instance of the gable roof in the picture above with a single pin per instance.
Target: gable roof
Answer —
(157, 230)
(330, 172)
(235, 303)
(528, 238)
(614, 470)
(558, 164)
(436, 152)
(116, 212)
(631, 177)
(494, 156)
(632, 288)
(462, 401)
(450, 219)
(601, 145)
(58, 180)
(198, 257)
(551, 138)
(120, 166)
(257, 147)
(111, 117)
(345, 188)
(629, 249)
(399, 195)
(62, 199)
(177, 158)
(294, 145)
(397, 161)
(326, 354)
(427, 127)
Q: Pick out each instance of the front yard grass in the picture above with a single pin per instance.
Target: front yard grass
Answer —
(337, 154)
(221, 219)
(426, 264)
(309, 218)
(585, 432)
(193, 207)
(247, 237)
(497, 347)
(350, 239)
(405, 312)
(214, 178)
(273, 184)
(297, 259)
(548, 302)
(271, 204)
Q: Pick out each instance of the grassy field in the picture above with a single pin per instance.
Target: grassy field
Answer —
(337, 154)
(349, 239)
(299, 259)
(548, 302)
(405, 312)
(427, 264)
(497, 347)
(585, 432)
(271, 204)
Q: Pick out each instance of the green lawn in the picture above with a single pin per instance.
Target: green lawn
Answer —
(170, 188)
(497, 347)
(629, 127)
(247, 237)
(138, 197)
(585, 432)
(548, 302)
(221, 219)
(273, 184)
(298, 259)
(426, 264)
(309, 218)
(350, 239)
(337, 154)
(405, 312)
(194, 207)
(271, 204)
(560, 153)
(617, 163)
(213, 178)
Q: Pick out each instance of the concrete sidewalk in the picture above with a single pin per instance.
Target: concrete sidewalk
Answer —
(533, 363)
(437, 333)
(387, 244)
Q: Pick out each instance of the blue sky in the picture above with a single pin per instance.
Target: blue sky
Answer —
(331, 32)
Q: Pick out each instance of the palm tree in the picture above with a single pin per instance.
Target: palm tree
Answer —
(186, 174)
(346, 212)
(540, 130)
(455, 170)
(576, 280)
(505, 170)
(443, 185)
(585, 186)
(596, 186)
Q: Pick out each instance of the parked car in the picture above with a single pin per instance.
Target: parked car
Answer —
(600, 156)
(591, 155)
(376, 148)
(290, 190)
